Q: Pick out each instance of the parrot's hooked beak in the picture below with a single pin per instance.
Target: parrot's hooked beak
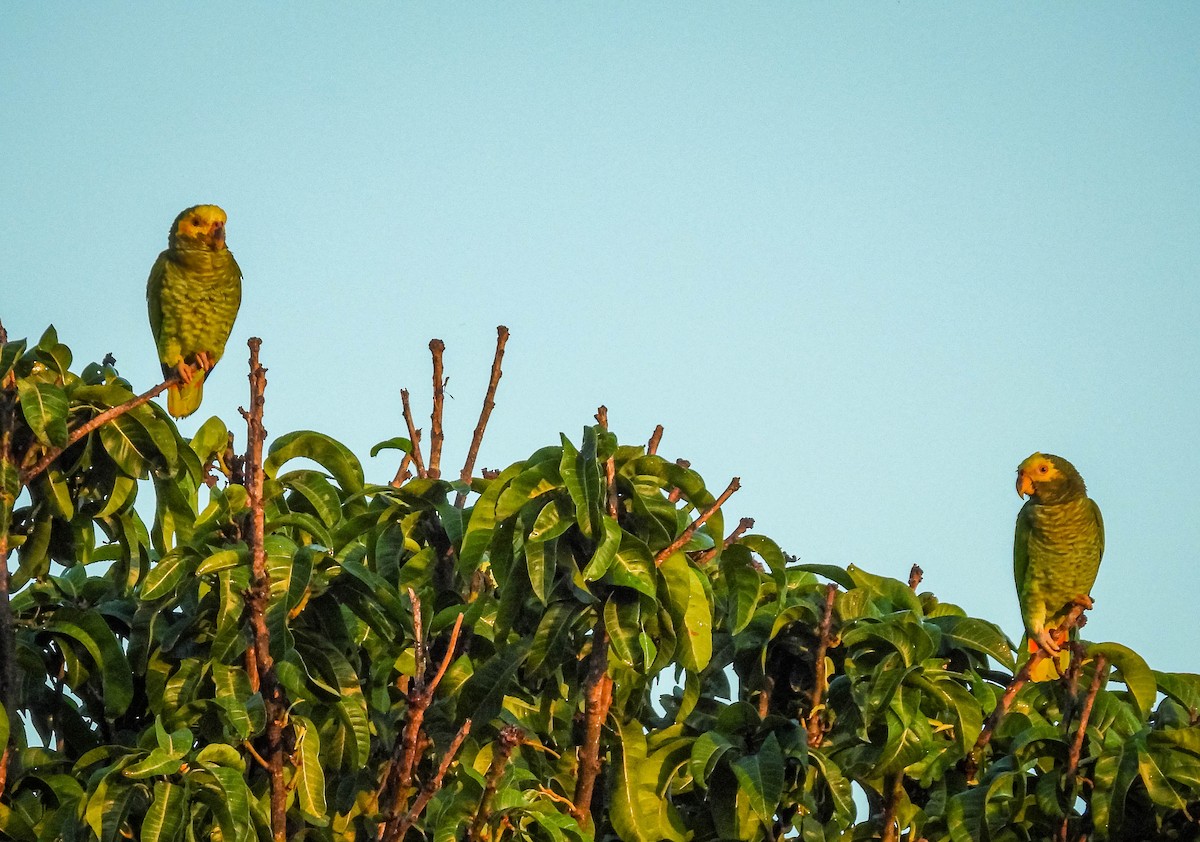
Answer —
(216, 234)
(1024, 485)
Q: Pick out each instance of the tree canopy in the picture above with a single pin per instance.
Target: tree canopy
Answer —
(204, 642)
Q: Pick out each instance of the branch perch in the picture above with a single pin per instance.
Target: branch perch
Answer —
(414, 435)
(260, 665)
(489, 403)
(437, 347)
(815, 724)
(686, 535)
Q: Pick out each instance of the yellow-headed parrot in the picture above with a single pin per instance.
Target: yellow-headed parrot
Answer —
(1056, 551)
(193, 294)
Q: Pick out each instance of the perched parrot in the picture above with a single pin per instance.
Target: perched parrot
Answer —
(193, 294)
(1056, 551)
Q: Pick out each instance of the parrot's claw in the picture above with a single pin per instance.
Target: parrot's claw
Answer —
(185, 372)
(1048, 644)
(204, 361)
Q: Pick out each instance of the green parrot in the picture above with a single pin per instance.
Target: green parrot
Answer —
(193, 294)
(1056, 551)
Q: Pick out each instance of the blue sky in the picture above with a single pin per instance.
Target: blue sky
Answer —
(867, 257)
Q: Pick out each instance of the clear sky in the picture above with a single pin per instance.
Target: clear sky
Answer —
(867, 257)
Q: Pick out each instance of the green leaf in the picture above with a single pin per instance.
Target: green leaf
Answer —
(89, 629)
(639, 810)
(1134, 673)
(330, 454)
(761, 778)
(976, 635)
(310, 786)
(164, 817)
(128, 444)
(44, 406)
(482, 695)
(395, 443)
(10, 352)
(707, 751)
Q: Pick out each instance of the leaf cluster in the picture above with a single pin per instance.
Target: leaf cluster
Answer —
(744, 702)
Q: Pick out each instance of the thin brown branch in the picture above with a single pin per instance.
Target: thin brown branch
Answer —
(397, 827)
(414, 435)
(744, 526)
(1098, 677)
(655, 440)
(597, 697)
(816, 721)
(407, 751)
(915, 576)
(1073, 618)
(402, 473)
(437, 347)
(1101, 671)
(510, 737)
(31, 473)
(891, 828)
(489, 403)
(764, 696)
(677, 492)
(259, 593)
(610, 467)
(686, 535)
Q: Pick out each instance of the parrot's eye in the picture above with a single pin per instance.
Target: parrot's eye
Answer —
(1043, 469)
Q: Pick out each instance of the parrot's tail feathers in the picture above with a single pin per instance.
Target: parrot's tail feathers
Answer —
(184, 399)
(1052, 668)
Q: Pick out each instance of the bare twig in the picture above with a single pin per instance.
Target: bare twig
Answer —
(816, 722)
(437, 347)
(686, 535)
(1098, 677)
(744, 525)
(396, 827)
(510, 737)
(414, 435)
(610, 466)
(262, 666)
(32, 473)
(489, 403)
(655, 439)
(402, 472)
(398, 774)
(915, 576)
(597, 698)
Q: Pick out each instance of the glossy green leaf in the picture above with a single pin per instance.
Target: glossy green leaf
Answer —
(164, 818)
(330, 454)
(1132, 671)
(44, 406)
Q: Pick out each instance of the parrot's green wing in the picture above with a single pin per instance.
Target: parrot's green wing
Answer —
(1021, 553)
(154, 302)
(1099, 525)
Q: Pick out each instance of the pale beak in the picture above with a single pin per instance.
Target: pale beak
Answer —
(1024, 484)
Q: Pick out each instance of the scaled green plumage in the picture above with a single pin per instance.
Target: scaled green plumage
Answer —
(1057, 549)
(193, 295)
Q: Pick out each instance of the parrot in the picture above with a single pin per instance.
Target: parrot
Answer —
(193, 295)
(1056, 552)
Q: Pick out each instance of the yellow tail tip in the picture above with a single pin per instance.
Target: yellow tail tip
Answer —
(184, 399)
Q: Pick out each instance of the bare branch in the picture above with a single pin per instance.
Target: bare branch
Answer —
(414, 435)
(655, 438)
(489, 403)
(597, 698)
(744, 525)
(686, 535)
(915, 576)
(610, 467)
(437, 347)
(510, 737)
(816, 722)
(395, 829)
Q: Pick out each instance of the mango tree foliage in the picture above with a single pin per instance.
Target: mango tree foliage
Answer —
(751, 696)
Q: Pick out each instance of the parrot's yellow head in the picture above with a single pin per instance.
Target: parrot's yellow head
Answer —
(202, 226)
(1047, 478)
